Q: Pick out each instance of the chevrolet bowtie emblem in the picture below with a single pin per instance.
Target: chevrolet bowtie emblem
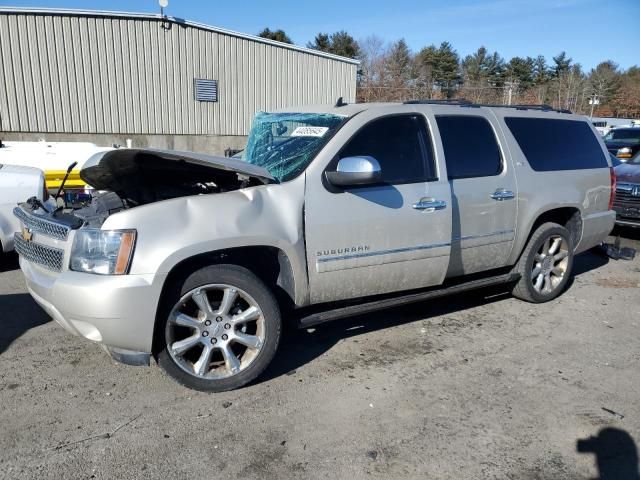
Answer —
(26, 234)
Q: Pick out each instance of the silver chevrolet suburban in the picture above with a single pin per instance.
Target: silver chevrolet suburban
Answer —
(332, 211)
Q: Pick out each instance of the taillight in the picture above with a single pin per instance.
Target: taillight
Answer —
(612, 174)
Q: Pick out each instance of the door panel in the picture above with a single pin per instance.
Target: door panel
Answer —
(484, 208)
(371, 240)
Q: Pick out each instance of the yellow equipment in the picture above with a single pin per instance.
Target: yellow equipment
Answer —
(54, 179)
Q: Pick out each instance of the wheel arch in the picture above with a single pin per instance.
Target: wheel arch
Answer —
(270, 264)
(569, 217)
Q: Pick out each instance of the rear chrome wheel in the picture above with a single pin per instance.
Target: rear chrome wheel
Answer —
(545, 264)
(550, 264)
(222, 331)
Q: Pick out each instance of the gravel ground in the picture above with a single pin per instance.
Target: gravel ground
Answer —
(480, 386)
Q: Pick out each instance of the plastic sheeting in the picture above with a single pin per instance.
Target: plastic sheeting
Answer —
(285, 143)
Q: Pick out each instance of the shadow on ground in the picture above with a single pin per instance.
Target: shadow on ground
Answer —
(616, 454)
(299, 347)
(626, 233)
(8, 262)
(18, 314)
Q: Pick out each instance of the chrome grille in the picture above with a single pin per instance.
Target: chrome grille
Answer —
(628, 193)
(48, 257)
(46, 227)
(627, 200)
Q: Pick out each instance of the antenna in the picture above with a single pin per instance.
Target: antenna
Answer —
(340, 103)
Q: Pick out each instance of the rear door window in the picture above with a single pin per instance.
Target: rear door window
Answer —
(470, 146)
(551, 145)
(400, 143)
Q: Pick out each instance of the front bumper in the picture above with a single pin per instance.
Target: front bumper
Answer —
(628, 222)
(116, 311)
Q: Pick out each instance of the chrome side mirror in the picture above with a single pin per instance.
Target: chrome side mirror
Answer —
(362, 170)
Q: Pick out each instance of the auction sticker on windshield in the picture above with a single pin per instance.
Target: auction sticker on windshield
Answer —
(309, 132)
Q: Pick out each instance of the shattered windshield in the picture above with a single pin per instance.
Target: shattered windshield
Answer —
(285, 143)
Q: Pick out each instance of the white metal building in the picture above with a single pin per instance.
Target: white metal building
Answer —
(104, 76)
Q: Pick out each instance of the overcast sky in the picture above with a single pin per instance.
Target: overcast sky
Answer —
(589, 30)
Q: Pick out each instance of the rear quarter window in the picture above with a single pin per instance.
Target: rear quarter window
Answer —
(551, 145)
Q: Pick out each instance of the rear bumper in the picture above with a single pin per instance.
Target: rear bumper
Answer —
(595, 228)
(115, 311)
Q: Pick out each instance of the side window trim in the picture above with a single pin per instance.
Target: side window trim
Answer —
(495, 137)
(423, 138)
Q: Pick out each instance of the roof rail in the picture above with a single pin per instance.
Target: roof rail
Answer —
(451, 101)
(466, 103)
(543, 107)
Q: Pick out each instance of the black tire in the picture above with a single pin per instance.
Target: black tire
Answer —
(244, 281)
(525, 288)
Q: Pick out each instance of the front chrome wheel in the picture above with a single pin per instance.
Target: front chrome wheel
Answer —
(215, 331)
(550, 265)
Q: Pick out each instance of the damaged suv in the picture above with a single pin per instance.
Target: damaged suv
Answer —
(332, 211)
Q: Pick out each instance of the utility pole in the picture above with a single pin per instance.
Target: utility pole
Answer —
(510, 87)
(593, 101)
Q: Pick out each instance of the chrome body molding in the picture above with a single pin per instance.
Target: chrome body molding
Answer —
(382, 252)
(394, 252)
(484, 235)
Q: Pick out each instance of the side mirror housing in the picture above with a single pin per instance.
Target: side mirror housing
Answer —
(352, 171)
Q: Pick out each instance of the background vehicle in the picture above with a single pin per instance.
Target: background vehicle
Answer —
(53, 158)
(334, 211)
(16, 184)
(624, 143)
(627, 200)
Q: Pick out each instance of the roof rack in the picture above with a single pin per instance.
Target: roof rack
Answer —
(450, 101)
(543, 107)
(466, 103)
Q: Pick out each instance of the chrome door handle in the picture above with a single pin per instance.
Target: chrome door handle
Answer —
(430, 204)
(502, 194)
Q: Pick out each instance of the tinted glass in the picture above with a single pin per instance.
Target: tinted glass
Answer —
(400, 144)
(551, 145)
(470, 147)
(631, 135)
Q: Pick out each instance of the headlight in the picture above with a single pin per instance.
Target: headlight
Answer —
(105, 252)
(624, 152)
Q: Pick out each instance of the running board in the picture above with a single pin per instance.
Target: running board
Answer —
(375, 305)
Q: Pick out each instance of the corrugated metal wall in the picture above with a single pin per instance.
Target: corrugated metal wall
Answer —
(102, 74)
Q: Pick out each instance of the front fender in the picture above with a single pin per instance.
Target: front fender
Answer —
(172, 231)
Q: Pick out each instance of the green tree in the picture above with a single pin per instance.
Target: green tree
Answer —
(338, 43)
(424, 65)
(520, 71)
(541, 73)
(447, 68)
(277, 35)
(562, 64)
(321, 42)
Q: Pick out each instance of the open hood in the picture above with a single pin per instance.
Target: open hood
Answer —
(117, 169)
(141, 176)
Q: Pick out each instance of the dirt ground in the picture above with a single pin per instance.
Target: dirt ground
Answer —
(480, 386)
